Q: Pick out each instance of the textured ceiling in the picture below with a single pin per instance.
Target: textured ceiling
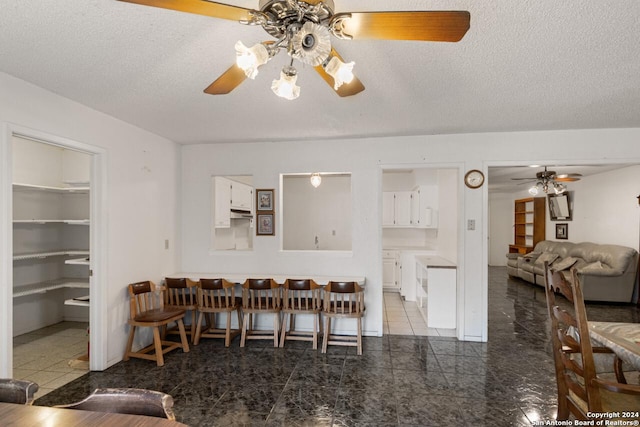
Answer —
(523, 65)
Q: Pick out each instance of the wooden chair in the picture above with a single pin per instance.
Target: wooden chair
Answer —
(346, 300)
(260, 296)
(127, 401)
(17, 391)
(181, 293)
(147, 311)
(217, 296)
(301, 297)
(580, 390)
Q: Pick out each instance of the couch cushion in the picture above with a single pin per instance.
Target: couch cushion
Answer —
(614, 258)
(545, 257)
(564, 264)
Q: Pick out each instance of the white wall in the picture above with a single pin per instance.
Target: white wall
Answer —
(143, 174)
(605, 210)
(365, 158)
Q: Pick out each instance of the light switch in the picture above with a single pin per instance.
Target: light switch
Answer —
(166, 244)
(471, 224)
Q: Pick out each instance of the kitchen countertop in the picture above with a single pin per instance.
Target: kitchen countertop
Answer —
(434, 261)
(408, 248)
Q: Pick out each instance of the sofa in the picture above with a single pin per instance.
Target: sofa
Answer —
(607, 272)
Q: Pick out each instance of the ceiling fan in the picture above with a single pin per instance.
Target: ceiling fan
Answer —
(303, 28)
(547, 180)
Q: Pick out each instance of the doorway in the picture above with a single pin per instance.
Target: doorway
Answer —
(35, 215)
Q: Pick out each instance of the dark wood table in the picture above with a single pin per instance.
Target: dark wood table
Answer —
(38, 416)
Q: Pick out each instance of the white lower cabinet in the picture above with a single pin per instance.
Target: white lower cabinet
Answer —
(436, 291)
(391, 271)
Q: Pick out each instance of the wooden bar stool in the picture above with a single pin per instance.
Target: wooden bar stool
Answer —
(217, 296)
(343, 300)
(147, 310)
(301, 297)
(180, 293)
(260, 296)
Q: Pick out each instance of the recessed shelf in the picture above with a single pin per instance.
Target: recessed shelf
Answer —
(41, 255)
(49, 285)
(52, 221)
(82, 301)
(51, 189)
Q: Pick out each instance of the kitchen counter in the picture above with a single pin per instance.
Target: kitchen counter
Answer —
(434, 261)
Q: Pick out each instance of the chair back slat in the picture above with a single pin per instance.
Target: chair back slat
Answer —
(143, 298)
(572, 350)
(301, 295)
(344, 298)
(215, 293)
(179, 292)
(261, 294)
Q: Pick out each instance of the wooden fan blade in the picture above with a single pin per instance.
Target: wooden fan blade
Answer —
(567, 178)
(228, 81)
(200, 7)
(346, 89)
(437, 26)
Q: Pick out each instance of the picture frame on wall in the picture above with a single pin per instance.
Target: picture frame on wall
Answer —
(562, 231)
(265, 200)
(265, 225)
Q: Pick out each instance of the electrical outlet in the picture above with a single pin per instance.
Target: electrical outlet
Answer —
(471, 224)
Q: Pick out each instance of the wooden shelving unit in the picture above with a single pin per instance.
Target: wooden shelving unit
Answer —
(529, 224)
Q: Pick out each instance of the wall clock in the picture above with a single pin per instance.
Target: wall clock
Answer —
(474, 178)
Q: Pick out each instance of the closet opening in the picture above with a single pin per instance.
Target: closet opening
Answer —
(53, 276)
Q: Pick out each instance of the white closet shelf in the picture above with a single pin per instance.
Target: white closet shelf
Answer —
(40, 255)
(32, 187)
(82, 301)
(78, 261)
(49, 285)
(52, 221)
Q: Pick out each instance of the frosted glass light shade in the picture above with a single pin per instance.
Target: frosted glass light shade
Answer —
(286, 87)
(340, 71)
(250, 58)
(533, 190)
(316, 179)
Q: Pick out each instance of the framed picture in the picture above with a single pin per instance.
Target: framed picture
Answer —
(265, 225)
(562, 231)
(264, 200)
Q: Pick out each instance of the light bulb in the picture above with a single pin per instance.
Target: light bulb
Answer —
(316, 179)
(286, 87)
(341, 72)
(533, 190)
(249, 59)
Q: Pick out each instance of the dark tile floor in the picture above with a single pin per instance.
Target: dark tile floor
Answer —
(399, 381)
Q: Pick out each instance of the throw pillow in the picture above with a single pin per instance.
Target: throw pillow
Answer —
(546, 257)
(564, 264)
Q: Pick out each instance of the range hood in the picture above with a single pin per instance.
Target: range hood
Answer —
(241, 214)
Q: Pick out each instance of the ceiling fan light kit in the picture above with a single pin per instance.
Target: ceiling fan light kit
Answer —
(304, 29)
(548, 181)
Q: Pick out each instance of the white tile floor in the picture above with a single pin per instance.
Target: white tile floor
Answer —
(403, 318)
(49, 355)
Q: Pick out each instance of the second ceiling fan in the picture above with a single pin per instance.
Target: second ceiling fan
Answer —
(304, 29)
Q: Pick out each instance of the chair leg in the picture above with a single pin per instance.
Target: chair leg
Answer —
(183, 336)
(196, 340)
(157, 341)
(276, 329)
(316, 319)
(227, 335)
(327, 328)
(243, 337)
(283, 331)
(359, 338)
(132, 331)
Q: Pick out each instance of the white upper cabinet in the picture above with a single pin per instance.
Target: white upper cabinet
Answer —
(221, 198)
(424, 206)
(414, 209)
(241, 196)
